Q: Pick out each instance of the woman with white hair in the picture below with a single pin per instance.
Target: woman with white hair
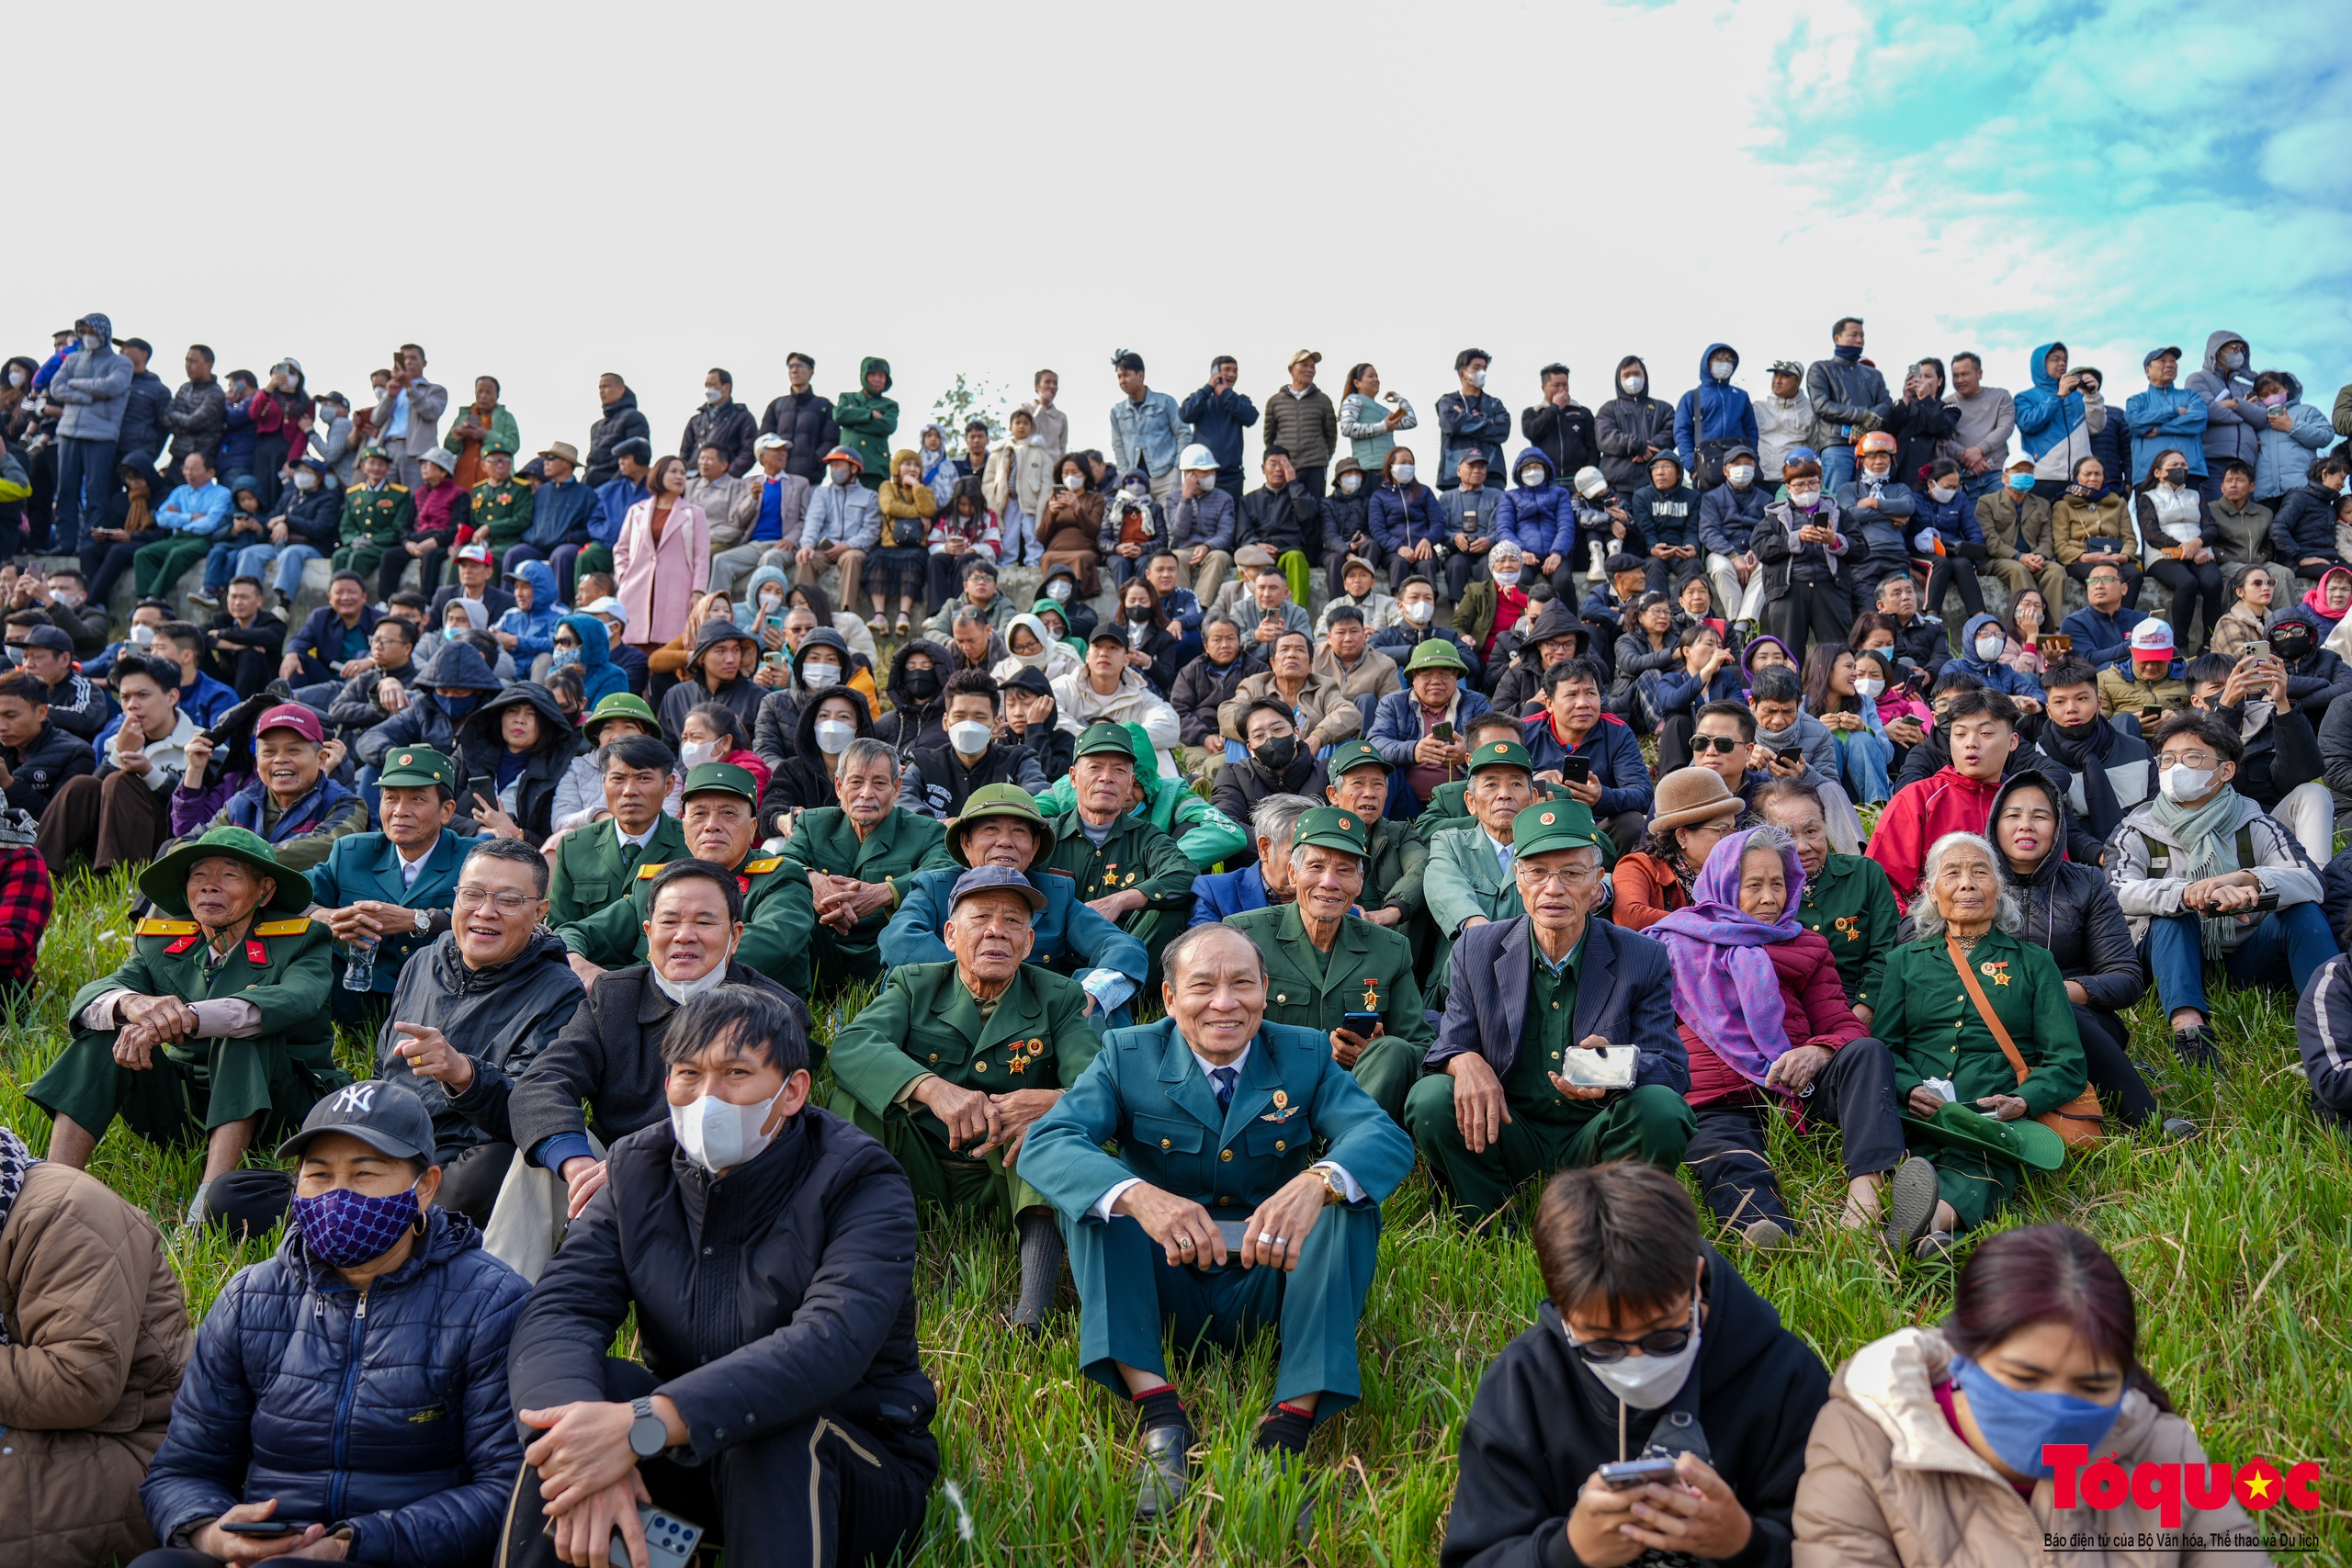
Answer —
(1950, 999)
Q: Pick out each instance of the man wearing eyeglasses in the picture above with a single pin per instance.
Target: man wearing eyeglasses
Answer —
(474, 1008)
(1530, 1072)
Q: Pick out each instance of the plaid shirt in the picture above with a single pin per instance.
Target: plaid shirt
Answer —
(25, 902)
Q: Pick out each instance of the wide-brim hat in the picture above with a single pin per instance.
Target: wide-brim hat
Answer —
(166, 882)
(620, 705)
(2024, 1141)
(1001, 800)
(1692, 794)
(563, 449)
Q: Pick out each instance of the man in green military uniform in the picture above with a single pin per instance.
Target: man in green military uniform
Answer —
(1468, 882)
(1324, 965)
(502, 503)
(1848, 901)
(1542, 1004)
(393, 888)
(217, 1022)
(376, 515)
(1246, 1193)
(950, 1064)
(1128, 869)
(720, 819)
(858, 857)
(596, 864)
(1396, 857)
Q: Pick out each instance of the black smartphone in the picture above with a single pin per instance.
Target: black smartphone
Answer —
(1576, 769)
(1443, 733)
(1789, 754)
(1360, 1024)
(265, 1529)
(1626, 1474)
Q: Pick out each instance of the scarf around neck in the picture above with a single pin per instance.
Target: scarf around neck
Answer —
(2204, 838)
(1725, 985)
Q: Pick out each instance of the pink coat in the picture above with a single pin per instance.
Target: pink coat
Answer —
(657, 601)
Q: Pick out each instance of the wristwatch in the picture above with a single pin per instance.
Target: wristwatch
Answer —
(647, 1435)
(1333, 1192)
(423, 922)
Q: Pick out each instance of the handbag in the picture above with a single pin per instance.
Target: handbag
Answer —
(2079, 1122)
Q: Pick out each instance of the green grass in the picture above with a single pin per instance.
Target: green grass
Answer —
(2239, 1246)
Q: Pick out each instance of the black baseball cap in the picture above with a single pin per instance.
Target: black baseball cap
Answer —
(386, 1116)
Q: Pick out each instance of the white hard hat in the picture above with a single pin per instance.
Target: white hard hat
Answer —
(1197, 456)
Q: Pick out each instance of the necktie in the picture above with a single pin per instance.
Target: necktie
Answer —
(1225, 1077)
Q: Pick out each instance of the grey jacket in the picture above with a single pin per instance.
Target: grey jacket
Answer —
(842, 514)
(93, 385)
(427, 403)
(1987, 421)
(1205, 519)
(2232, 435)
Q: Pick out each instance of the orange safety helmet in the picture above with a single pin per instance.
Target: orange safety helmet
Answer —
(1876, 441)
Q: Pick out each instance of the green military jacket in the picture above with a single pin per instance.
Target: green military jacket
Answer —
(825, 839)
(378, 517)
(1134, 855)
(778, 918)
(1398, 857)
(281, 967)
(1449, 806)
(926, 1022)
(502, 512)
(594, 866)
(1369, 969)
(1930, 1024)
(1850, 906)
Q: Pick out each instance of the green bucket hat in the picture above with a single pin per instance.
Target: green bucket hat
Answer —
(413, 767)
(1501, 754)
(1355, 754)
(620, 705)
(1102, 736)
(724, 777)
(1552, 825)
(166, 882)
(1001, 800)
(2024, 1141)
(1332, 828)
(1436, 653)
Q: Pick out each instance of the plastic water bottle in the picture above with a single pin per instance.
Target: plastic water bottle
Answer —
(359, 966)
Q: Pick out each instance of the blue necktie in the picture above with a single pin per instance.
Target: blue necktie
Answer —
(1225, 1077)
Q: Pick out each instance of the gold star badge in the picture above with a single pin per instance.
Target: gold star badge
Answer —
(1547, 819)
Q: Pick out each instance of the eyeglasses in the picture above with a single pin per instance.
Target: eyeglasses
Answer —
(1723, 743)
(2185, 759)
(1540, 880)
(504, 903)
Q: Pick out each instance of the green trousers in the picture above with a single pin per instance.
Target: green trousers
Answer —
(187, 1094)
(1387, 1070)
(1299, 572)
(361, 558)
(834, 963)
(1650, 1122)
(1976, 1184)
(156, 568)
(941, 1177)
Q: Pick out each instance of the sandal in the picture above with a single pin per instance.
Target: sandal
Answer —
(904, 624)
(873, 624)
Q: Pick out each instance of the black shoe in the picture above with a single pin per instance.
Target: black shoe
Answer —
(2181, 1130)
(2195, 1050)
(1911, 1203)
(1166, 1469)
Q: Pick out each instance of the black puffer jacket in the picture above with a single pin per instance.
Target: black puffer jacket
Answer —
(313, 517)
(480, 747)
(806, 420)
(1200, 687)
(621, 422)
(428, 721)
(730, 427)
(803, 777)
(1627, 428)
(502, 1017)
(1567, 436)
(144, 434)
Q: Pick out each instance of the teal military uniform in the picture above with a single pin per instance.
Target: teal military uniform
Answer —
(1368, 970)
(594, 866)
(1449, 806)
(825, 839)
(927, 1022)
(501, 510)
(280, 965)
(374, 521)
(1147, 1091)
(368, 866)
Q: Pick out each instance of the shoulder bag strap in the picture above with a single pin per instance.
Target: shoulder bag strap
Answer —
(1985, 1009)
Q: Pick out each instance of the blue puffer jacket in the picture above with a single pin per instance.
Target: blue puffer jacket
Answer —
(1722, 412)
(393, 1420)
(1403, 518)
(2161, 417)
(1995, 675)
(2044, 417)
(534, 629)
(599, 676)
(1537, 516)
(2283, 457)
(1954, 520)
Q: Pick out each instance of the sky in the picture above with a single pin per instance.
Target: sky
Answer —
(543, 193)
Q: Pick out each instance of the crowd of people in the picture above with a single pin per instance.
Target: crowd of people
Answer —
(1565, 820)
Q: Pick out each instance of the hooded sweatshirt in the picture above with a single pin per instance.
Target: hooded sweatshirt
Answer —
(1713, 414)
(868, 420)
(94, 385)
(2232, 435)
(2057, 431)
(1537, 516)
(599, 676)
(1629, 426)
(1997, 676)
(534, 629)
(2285, 456)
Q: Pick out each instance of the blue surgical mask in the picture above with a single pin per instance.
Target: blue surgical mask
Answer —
(2017, 1423)
(2021, 483)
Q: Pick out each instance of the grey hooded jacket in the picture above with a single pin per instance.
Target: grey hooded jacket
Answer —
(2232, 435)
(93, 385)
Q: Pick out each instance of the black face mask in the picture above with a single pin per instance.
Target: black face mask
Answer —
(1138, 615)
(1278, 753)
(2078, 731)
(2289, 648)
(922, 684)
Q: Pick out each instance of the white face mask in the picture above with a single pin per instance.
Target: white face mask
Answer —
(1402, 473)
(1878, 476)
(1805, 499)
(769, 599)
(1531, 478)
(1057, 590)
(1648, 1381)
(683, 991)
(1478, 378)
(1350, 484)
(1741, 475)
(2182, 785)
(16, 377)
(1719, 368)
(1072, 482)
(712, 394)
(834, 736)
(1634, 385)
(718, 1136)
(1506, 577)
(1419, 610)
(142, 634)
(969, 738)
(1988, 649)
(1942, 492)
(91, 341)
(1869, 689)
(306, 480)
(695, 752)
(816, 674)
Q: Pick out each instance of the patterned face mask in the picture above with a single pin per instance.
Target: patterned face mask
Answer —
(344, 1229)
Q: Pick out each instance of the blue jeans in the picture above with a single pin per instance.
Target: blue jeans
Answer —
(1862, 757)
(2285, 944)
(221, 564)
(1976, 486)
(290, 558)
(1836, 468)
(85, 483)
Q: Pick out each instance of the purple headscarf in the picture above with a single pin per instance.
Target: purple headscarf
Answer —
(1725, 985)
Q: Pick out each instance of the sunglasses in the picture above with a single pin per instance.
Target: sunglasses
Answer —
(1602, 1352)
(1723, 743)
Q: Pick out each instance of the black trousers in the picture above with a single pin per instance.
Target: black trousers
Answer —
(1667, 577)
(469, 1183)
(1823, 609)
(2188, 584)
(2107, 1060)
(1855, 1090)
(390, 569)
(1674, 742)
(1958, 570)
(818, 1492)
